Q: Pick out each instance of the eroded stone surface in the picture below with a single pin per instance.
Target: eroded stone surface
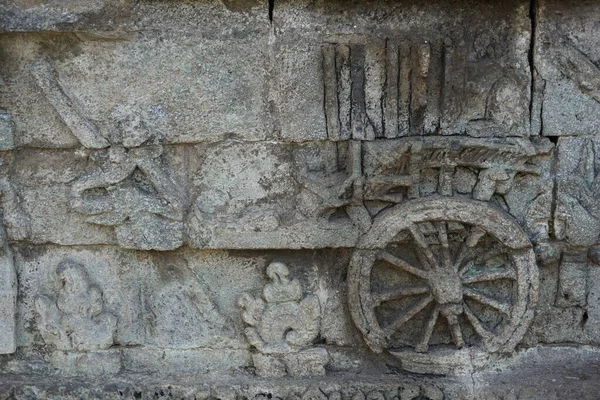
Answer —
(299, 199)
(566, 66)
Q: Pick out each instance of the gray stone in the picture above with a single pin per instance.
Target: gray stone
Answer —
(75, 320)
(282, 325)
(244, 199)
(7, 139)
(566, 68)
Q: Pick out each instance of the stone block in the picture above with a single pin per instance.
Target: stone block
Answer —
(404, 70)
(191, 90)
(577, 216)
(140, 291)
(7, 139)
(268, 195)
(567, 78)
(95, 363)
(573, 280)
(152, 360)
(19, 16)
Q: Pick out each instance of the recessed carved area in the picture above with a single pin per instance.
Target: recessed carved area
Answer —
(293, 199)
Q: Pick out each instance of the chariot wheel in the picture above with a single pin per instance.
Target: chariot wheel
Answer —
(443, 272)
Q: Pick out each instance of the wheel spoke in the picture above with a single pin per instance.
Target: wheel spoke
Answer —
(422, 243)
(457, 335)
(468, 265)
(423, 345)
(397, 293)
(475, 234)
(443, 237)
(485, 300)
(480, 257)
(479, 329)
(400, 263)
(412, 311)
(493, 275)
(466, 249)
(490, 253)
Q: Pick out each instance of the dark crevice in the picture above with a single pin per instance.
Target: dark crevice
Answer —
(271, 8)
(553, 170)
(584, 319)
(531, 58)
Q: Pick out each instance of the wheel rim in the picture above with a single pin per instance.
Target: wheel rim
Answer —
(471, 270)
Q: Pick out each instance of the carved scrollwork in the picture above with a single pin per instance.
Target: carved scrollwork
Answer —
(282, 326)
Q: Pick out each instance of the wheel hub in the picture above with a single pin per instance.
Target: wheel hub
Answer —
(446, 286)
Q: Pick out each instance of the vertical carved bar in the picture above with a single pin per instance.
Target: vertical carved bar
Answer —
(69, 110)
(357, 77)
(434, 89)
(344, 89)
(420, 60)
(404, 90)
(391, 90)
(331, 92)
(14, 225)
(8, 298)
(374, 89)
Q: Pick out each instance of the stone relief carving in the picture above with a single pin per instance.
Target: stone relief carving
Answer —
(443, 262)
(394, 88)
(567, 70)
(133, 191)
(68, 107)
(577, 218)
(282, 327)
(75, 319)
(14, 225)
(406, 392)
(180, 314)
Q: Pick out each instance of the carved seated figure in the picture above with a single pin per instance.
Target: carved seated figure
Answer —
(75, 320)
(283, 326)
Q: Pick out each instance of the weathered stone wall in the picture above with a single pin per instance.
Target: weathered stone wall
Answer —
(252, 195)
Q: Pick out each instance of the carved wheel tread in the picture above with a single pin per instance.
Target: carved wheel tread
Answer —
(436, 279)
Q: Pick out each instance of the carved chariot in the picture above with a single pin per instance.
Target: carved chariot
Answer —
(444, 266)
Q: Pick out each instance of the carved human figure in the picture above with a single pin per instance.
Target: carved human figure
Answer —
(577, 221)
(283, 325)
(75, 319)
(137, 196)
(13, 226)
(180, 313)
(578, 209)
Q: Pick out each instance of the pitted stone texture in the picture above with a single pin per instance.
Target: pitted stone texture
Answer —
(260, 195)
(577, 218)
(165, 305)
(133, 289)
(552, 372)
(22, 15)
(179, 95)
(75, 319)
(56, 186)
(282, 326)
(392, 71)
(567, 63)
